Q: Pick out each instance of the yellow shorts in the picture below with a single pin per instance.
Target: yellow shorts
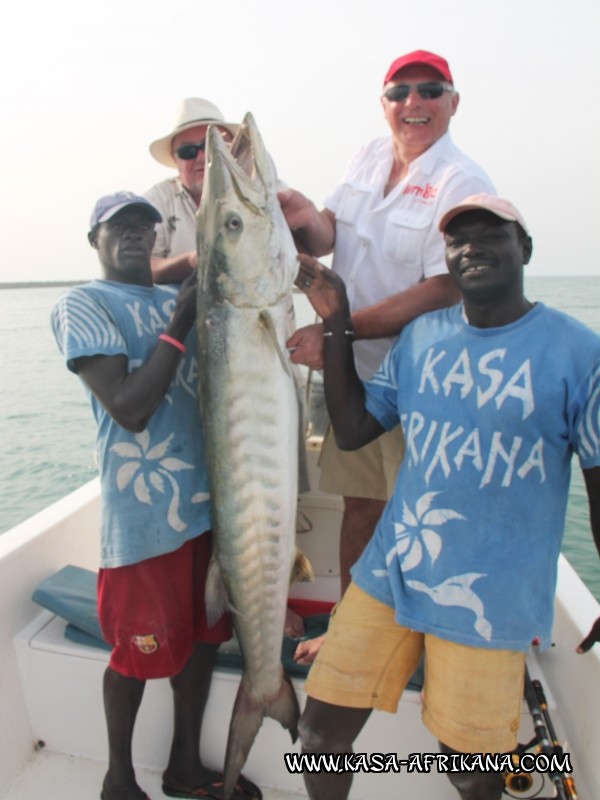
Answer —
(472, 696)
(368, 472)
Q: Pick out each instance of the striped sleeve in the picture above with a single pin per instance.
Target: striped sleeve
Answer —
(588, 430)
(83, 326)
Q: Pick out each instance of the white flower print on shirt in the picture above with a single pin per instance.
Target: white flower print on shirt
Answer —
(152, 471)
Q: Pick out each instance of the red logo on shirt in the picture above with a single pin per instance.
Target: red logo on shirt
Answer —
(428, 192)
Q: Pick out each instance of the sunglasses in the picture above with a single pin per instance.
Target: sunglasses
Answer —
(189, 151)
(429, 90)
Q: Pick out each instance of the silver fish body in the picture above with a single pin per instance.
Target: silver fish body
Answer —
(249, 405)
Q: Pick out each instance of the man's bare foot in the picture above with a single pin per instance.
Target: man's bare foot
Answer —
(294, 624)
(307, 651)
(211, 785)
(111, 791)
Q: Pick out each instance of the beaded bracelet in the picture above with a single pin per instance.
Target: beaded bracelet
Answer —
(346, 333)
(170, 340)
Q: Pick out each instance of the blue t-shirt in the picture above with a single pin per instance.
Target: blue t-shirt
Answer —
(467, 546)
(154, 484)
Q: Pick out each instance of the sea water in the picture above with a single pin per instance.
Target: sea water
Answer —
(47, 429)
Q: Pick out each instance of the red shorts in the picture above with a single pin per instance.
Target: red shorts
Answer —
(153, 612)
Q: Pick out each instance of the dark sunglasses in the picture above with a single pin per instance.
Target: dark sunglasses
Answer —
(430, 90)
(189, 151)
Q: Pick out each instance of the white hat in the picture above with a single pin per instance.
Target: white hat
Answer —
(192, 111)
(486, 202)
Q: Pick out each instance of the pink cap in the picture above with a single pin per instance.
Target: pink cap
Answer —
(486, 202)
(420, 57)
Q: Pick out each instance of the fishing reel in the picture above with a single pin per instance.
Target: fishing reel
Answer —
(535, 785)
(523, 784)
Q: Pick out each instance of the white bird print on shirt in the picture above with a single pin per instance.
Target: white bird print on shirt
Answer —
(456, 591)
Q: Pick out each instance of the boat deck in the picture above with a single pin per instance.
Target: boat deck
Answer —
(50, 688)
(44, 776)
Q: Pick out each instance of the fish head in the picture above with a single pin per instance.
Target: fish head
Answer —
(246, 254)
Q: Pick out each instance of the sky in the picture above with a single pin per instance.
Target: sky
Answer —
(86, 87)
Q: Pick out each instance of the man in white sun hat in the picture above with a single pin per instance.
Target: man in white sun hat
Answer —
(177, 198)
(174, 255)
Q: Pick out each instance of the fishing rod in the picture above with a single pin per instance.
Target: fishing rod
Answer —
(546, 742)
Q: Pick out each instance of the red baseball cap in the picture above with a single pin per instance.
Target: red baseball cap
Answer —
(420, 57)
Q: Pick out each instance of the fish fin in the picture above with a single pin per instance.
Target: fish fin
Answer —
(266, 320)
(246, 719)
(215, 596)
(302, 570)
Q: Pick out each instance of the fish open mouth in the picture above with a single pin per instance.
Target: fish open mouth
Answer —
(240, 164)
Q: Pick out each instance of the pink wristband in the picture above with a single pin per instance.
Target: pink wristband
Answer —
(170, 340)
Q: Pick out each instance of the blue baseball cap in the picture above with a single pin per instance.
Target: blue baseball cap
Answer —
(108, 206)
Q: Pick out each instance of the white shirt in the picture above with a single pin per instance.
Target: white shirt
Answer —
(176, 234)
(385, 245)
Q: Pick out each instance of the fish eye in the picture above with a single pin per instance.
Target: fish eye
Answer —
(234, 223)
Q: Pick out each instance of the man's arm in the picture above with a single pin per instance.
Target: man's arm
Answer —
(132, 398)
(174, 269)
(388, 317)
(353, 425)
(313, 230)
(592, 485)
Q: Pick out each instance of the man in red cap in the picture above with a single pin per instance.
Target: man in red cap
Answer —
(380, 225)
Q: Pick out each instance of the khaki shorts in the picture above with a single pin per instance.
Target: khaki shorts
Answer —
(472, 696)
(368, 472)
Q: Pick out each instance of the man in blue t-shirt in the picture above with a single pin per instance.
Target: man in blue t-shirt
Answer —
(133, 346)
(494, 397)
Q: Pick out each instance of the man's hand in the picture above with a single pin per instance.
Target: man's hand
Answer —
(306, 346)
(307, 650)
(313, 230)
(591, 639)
(297, 209)
(324, 289)
(175, 268)
(184, 312)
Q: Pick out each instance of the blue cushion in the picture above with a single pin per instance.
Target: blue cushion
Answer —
(71, 594)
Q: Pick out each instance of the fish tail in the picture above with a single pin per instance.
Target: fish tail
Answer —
(247, 717)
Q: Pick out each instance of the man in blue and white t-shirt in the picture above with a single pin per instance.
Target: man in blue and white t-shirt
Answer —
(494, 397)
(133, 346)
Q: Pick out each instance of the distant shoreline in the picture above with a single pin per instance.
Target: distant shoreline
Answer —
(56, 284)
(39, 284)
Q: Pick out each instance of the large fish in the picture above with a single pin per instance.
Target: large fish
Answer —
(249, 405)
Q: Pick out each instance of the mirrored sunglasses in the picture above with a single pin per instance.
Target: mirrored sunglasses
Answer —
(430, 90)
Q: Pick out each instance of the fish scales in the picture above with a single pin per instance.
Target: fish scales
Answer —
(249, 405)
